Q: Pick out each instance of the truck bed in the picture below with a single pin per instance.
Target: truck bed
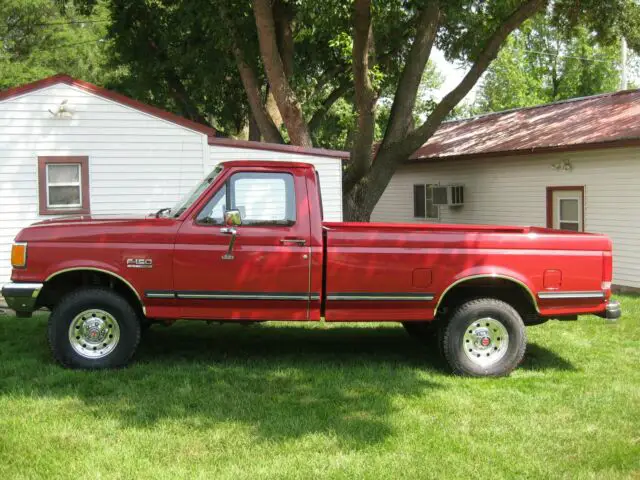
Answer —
(401, 262)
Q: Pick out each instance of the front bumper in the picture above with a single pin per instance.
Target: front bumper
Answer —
(22, 297)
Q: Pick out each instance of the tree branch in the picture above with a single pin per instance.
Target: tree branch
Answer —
(282, 16)
(365, 97)
(361, 199)
(286, 99)
(177, 90)
(179, 94)
(328, 102)
(419, 136)
(401, 117)
(267, 128)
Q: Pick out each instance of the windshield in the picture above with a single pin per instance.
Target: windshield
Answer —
(195, 193)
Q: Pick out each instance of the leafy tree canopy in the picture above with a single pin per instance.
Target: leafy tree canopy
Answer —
(39, 38)
(346, 74)
(540, 63)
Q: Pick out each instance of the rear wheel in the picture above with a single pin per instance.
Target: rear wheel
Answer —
(484, 337)
(93, 328)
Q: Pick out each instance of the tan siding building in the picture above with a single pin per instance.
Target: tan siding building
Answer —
(597, 186)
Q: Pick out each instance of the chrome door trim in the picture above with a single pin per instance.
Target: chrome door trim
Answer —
(402, 297)
(570, 295)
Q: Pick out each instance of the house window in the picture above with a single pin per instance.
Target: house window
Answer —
(63, 184)
(565, 208)
(423, 206)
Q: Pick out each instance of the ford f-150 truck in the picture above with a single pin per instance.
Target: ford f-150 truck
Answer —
(249, 244)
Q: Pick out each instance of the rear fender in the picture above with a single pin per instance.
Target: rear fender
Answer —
(490, 272)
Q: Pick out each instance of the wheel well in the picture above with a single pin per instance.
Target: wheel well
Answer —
(507, 290)
(63, 283)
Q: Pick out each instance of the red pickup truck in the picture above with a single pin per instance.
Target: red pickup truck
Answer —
(249, 244)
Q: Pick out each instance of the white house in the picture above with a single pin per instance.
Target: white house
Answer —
(573, 165)
(67, 146)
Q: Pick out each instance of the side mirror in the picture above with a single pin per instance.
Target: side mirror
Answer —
(232, 218)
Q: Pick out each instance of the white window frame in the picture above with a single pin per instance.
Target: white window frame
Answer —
(64, 184)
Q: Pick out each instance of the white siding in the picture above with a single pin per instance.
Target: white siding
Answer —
(137, 162)
(512, 190)
(329, 170)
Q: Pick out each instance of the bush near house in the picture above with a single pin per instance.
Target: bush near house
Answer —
(347, 401)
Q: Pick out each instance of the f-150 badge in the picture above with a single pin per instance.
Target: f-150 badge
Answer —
(139, 263)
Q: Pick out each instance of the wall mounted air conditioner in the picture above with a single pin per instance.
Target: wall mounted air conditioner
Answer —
(451, 195)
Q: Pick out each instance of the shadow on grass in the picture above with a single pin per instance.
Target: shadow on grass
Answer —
(280, 382)
(541, 358)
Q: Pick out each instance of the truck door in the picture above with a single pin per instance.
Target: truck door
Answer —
(265, 274)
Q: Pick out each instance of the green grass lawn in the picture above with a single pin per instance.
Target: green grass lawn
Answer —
(335, 401)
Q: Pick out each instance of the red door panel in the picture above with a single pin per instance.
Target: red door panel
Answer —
(266, 276)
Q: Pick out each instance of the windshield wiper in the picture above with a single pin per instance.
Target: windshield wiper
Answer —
(179, 212)
(161, 211)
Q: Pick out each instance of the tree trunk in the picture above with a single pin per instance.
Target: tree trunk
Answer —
(259, 114)
(286, 99)
(363, 186)
(254, 130)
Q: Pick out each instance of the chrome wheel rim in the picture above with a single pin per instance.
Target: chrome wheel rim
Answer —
(94, 333)
(485, 341)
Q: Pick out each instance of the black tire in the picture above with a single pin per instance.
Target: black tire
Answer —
(86, 299)
(507, 354)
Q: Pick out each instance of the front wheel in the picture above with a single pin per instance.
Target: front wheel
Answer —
(93, 328)
(484, 337)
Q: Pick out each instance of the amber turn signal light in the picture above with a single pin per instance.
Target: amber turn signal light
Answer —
(19, 255)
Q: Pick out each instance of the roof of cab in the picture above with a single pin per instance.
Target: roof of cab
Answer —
(265, 163)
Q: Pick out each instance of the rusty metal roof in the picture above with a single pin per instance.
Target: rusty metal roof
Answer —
(610, 119)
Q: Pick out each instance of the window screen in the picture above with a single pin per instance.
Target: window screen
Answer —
(569, 214)
(63, 186)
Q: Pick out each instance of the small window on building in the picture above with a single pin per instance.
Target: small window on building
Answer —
(63, 184)
(423, 206)
(569, 210)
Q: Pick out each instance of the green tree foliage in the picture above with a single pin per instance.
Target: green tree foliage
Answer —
(345, 74)
(541, 63)
(39, 38)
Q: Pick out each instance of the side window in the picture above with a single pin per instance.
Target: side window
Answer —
(263, 198)
(213, 212)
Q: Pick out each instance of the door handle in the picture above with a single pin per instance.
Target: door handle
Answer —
(297, 241)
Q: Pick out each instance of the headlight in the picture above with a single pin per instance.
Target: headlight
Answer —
(19, 255)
